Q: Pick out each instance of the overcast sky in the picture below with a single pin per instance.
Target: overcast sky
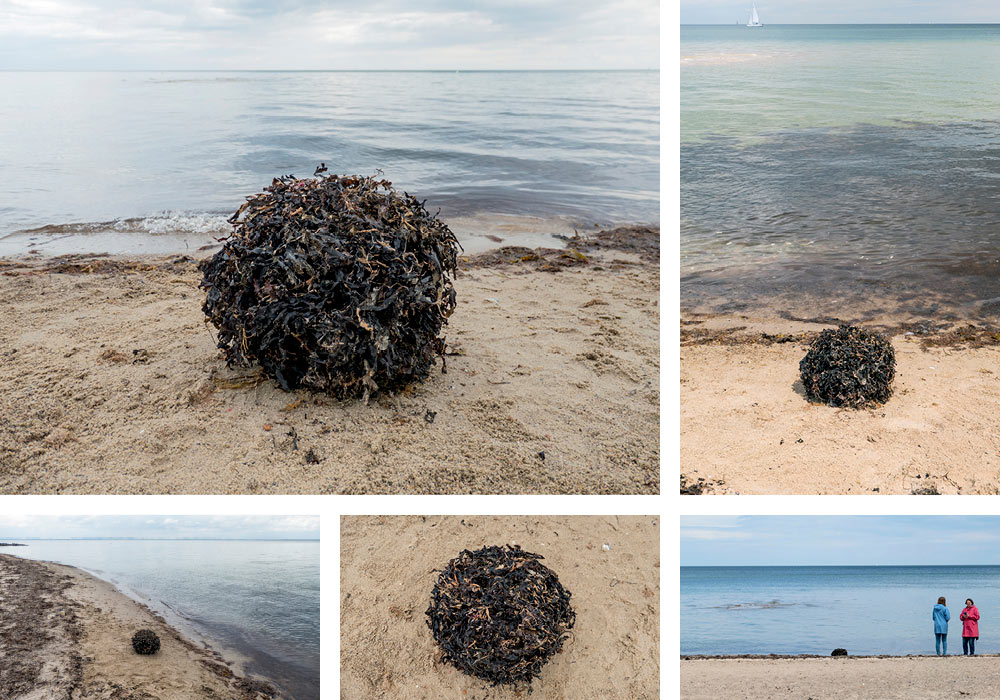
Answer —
(267, 527)
(839, 540)
(840, 12)
(328, 34)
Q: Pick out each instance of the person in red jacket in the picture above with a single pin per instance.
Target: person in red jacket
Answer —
(970, 628)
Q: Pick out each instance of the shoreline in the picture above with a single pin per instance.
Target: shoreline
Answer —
(747, 428)
(175, 234)
(112, 383)
(837, 677)
(86, 646)
(765, 657)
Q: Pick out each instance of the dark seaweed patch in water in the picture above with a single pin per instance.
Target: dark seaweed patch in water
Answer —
(825, 217)
(849, 366)
(498, 614)
(339, 284)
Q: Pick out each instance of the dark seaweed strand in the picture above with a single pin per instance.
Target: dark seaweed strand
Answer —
(339, 284)
(850, 367)
(498, 614)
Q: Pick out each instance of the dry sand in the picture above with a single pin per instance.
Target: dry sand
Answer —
(850, 678)
(747, 428)
(66, 635)
(110, 382)
(388, 570)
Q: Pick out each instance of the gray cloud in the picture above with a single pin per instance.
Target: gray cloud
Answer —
(384, 34)
(844, 12)
(15, 527)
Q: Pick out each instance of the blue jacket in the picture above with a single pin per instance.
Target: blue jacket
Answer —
(941, 617)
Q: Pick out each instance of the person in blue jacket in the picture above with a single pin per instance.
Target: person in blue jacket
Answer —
(940, 615)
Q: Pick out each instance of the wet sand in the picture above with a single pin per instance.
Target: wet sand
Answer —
(66, 635)
(110, 382)
(843, 678)
(388, 571)
(747, 428)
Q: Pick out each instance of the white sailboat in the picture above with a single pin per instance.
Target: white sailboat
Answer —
(754, 19)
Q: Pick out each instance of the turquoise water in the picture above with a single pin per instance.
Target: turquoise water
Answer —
(258, 598)
(841, 162)
(144, 161)
(749, 83)
(815, 609)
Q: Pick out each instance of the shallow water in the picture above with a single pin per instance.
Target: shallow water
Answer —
(257, 598)
(96, 160)
(815, 609)
(821, 162)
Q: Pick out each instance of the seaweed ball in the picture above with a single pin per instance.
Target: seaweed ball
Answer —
(850, 367)
(145, 642)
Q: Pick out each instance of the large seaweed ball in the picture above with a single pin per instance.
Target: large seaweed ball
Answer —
(499, 614)
(145, 642)
(338, 284)
(849, 366)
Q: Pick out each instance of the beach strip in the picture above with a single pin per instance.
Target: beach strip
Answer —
(111, 382)
(67, 634)
(842, 678)
(747, 427)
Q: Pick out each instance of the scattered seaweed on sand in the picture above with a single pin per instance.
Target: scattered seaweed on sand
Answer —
(967, 336)
(929, 334)
(699, 486)
(643, 241)
(338, 284)
(498, 614)
(849, 367)
(542, 259)
(38, 618)
(735, 335)
(145, 642)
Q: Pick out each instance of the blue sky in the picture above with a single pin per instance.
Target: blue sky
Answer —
(839, 540)
(328, 34)
(840, 12)
(281, 527)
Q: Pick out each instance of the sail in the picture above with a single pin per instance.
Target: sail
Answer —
(754, 19)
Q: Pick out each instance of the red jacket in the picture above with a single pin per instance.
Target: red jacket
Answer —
(970, 622)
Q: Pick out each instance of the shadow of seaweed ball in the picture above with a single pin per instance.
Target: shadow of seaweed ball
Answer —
(337, 284)
(850, 367)
(499, 614)
(145, 642)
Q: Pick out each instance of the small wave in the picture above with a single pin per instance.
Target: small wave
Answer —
(722, 58)
(715, 59)
(771, 605)
(166, 223)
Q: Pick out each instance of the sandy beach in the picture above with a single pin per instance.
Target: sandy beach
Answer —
(388, 570)
(843, 678)
(110, 382)
(747, 428)
(66, 635)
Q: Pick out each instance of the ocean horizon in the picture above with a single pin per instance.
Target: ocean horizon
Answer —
(869, 610)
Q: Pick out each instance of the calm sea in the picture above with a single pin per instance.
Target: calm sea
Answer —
(257, 598)
(825, 166)
(147, 162)
(815, 609)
